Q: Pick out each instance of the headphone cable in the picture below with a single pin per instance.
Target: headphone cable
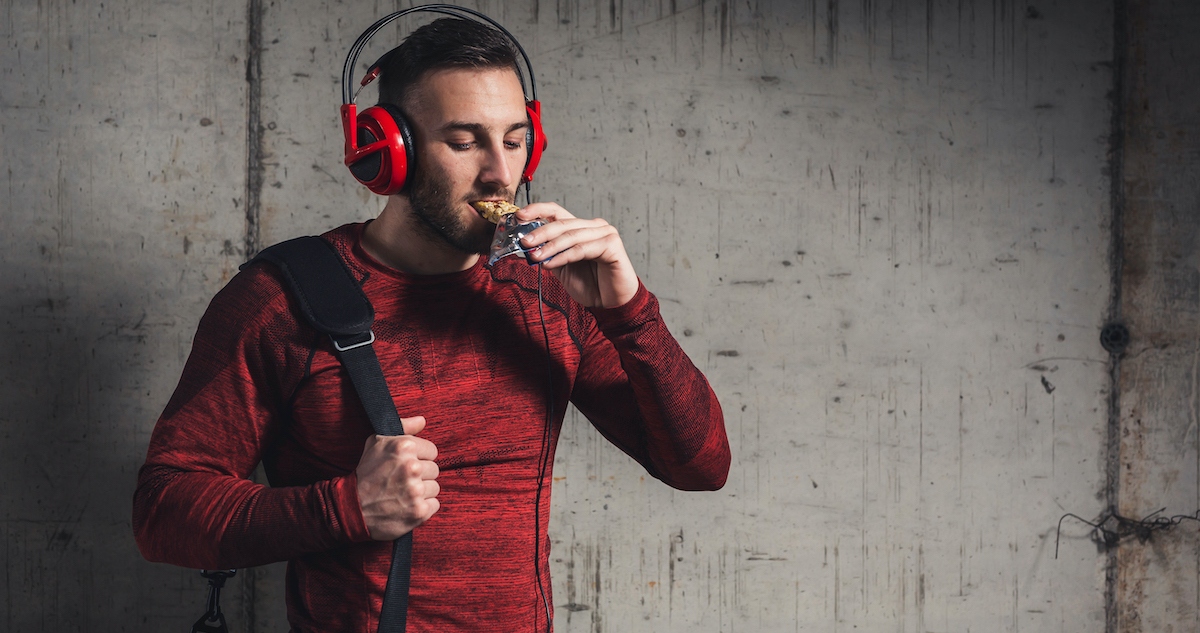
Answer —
(543, 455)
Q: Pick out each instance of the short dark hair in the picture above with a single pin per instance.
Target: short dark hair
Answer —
(441, 44)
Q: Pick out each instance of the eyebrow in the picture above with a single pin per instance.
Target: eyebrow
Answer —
(478, 128)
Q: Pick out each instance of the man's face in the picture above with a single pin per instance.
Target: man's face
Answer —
(469, 127)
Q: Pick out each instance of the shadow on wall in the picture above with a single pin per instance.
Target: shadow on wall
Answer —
(76, 378)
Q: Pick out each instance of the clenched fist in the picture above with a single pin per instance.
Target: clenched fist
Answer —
(397, 481)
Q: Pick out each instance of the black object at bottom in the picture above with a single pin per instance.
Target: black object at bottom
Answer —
(213, 621)
(204, 625)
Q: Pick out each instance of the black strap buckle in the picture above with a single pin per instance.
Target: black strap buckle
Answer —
(213, 621)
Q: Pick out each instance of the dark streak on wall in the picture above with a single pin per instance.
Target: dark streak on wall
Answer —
(1116, 155)
(254, 128)
(252, 240)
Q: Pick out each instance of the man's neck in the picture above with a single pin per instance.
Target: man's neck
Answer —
(395, 241)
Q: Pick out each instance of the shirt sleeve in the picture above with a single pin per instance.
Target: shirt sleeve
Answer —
(195, 505)
(641, 391)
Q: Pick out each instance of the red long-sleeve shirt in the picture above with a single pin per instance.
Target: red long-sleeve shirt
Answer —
(467, 351)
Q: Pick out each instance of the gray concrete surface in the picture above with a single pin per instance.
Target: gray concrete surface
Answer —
(884, 229)
(1155, 583)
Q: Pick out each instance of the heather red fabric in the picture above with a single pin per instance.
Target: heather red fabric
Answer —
(465, 350)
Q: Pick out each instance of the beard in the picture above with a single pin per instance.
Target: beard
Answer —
(441, 217)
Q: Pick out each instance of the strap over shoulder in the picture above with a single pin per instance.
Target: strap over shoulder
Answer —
(331, 299)
(334, 303)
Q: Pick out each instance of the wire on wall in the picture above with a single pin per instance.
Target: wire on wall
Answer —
(1112, 528)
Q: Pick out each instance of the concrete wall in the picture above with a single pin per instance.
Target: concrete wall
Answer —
(883, 228)
(122, 140)
(1155, 577)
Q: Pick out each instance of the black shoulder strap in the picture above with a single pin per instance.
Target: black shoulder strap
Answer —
(333, 303)
(330, 297)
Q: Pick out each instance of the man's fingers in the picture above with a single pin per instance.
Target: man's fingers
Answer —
(422, 498)
(548, 211)
(423, 469)
(402, 445)
(586, 255)
(572, 229)
(413, 425)
(589, 240)
(432, 505)
(397, 482)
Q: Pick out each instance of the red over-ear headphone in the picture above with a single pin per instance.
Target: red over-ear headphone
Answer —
(379, 141)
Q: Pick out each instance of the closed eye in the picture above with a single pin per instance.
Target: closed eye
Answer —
(477, 131)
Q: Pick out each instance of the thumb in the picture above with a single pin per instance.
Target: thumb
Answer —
(413, 425)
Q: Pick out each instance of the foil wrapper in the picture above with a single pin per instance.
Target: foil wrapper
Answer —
(507, 239)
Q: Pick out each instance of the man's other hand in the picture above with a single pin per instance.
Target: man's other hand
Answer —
(397, 481)
(587, 256)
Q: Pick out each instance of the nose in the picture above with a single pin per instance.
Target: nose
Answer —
(495, 168)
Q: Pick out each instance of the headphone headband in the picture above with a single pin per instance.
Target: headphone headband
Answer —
(444, 9)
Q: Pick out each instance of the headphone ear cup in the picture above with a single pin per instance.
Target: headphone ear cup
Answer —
(535, 139)
(384, 154)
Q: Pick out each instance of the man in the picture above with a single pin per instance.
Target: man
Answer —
(480, 371)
